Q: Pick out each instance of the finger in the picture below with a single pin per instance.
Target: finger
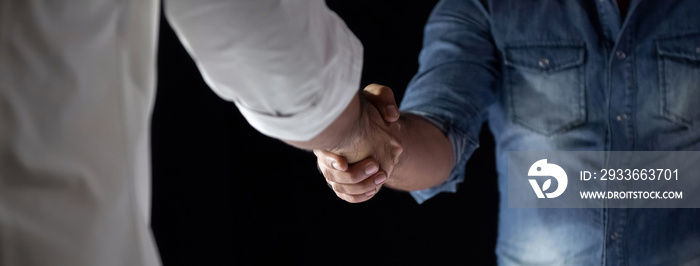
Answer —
(366, 186)
(331, 160)
(382, 97)
(356, 173)
(355, 198)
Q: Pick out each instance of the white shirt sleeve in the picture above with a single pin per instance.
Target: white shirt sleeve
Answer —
(291, 67)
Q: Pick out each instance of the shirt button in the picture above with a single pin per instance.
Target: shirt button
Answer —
(614, 236)
(620, 55)
(543, 63)
(622, 117)
(697, 49)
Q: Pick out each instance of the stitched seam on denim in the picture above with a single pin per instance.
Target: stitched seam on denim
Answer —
(664, 45)
(680, 35)
(577, 58)
(664, 89)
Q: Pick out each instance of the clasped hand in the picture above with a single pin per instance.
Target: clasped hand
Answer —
(359, 168)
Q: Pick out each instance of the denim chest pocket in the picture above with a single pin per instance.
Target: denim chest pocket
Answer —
(679, 78)
(545, 85)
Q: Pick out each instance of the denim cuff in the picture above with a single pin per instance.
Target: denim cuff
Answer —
(462, 148)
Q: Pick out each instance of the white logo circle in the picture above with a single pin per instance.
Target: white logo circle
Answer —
(542, 168)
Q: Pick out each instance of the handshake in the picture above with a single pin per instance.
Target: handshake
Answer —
(365, 159)
(373, 146)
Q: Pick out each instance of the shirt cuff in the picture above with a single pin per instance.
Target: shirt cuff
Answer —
(342, 82)
(462, 147)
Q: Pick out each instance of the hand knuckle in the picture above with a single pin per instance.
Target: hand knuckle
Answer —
(356, 179)
(355, 199)
(326, 173)
(345, 178)
(340, 188)
(345, 197)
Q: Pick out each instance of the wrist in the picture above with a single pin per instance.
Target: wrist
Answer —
(340, 133)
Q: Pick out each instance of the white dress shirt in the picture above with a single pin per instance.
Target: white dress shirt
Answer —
(77, 83)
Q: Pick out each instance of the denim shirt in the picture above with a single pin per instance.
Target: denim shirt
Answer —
(567, 75)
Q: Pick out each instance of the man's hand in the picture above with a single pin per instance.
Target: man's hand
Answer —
(374, 148)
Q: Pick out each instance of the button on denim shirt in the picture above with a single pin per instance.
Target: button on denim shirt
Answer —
(567, 75)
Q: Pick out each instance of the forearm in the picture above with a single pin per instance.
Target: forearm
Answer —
(291, 67)
(427, 158)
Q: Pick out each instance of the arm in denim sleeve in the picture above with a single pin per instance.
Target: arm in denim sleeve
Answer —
(455, 82)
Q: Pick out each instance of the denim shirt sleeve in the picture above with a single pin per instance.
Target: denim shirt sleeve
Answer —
(455, 82)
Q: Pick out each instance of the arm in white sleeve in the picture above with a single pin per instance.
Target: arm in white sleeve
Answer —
(291, 67)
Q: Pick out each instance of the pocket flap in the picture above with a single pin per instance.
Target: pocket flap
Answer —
(546, 57)
(684, 46)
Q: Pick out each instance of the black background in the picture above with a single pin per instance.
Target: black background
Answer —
(224, 194)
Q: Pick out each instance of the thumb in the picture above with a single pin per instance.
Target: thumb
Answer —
(382, 97)
(331, 160)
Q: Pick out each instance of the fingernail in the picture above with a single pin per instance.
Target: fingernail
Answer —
(380, 179)
(371, 169)
(336, 166)
(392, 111)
